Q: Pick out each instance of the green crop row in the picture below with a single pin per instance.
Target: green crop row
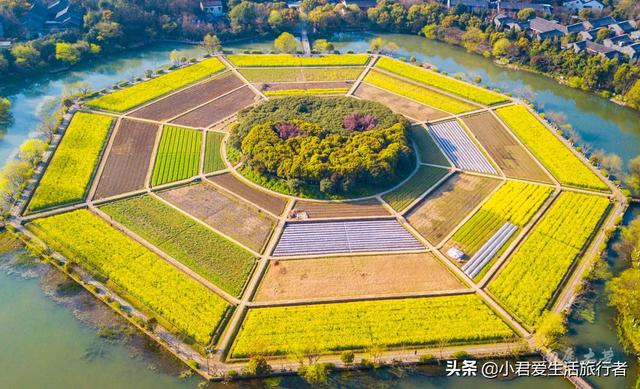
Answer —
(427, 148)
(268, 75)
(417, 93)
(439, 81)
(213, 152)
(560, 161)
(178, 155)
(536, 269)
(515, 202)
(305, 92)
(196, 246)
(128, 98)
(151, 283)
(275, 60)
(425, 178)
(68, 175)
(367, 324)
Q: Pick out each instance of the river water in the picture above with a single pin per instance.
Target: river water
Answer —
(46, 342)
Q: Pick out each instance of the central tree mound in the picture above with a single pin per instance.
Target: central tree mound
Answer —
(327, 147)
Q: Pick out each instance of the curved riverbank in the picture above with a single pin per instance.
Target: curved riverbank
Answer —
(416, 378)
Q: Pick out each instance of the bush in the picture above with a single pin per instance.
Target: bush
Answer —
(460, 355)
(258, 366)
(316, 374)
(151, 323)
(426, 358)
(347, 357)
(231, 375)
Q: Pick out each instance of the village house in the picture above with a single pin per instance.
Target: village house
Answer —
(546, 29)
(213, 8)
(43, 18)
(623, 39)
(594, 48)
(578, 5)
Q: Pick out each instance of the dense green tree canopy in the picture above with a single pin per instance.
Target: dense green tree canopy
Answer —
(330, 143)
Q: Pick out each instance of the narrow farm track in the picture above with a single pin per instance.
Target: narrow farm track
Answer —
(187, 167)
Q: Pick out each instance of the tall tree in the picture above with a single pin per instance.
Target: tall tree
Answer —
(211, 44)
(286, 43)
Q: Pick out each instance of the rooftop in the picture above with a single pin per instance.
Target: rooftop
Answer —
(538, 24)
(601, 22)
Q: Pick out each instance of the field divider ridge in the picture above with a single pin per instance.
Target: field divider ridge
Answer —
(431, 88)
(237, 196)
(153, 157)
(208, 78)
(119, 196)
(229, 335)
(526, 148)
(471, 213)
(413, 121)
(351, 299)
(370, 63)
(233, 68)
(166, 257)
(54, 211)
(519, 239)
(480, 147)
(104, 156)
(185, 213)
(426, 193)
(176, 117)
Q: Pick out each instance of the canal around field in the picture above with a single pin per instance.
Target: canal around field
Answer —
(47, 341)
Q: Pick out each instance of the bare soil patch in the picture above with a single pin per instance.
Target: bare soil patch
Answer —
(227, 214)
(399, 104)
(505, 150)
(128, 160)
(316, 210)
(442, 210)
(189, 98)
(273, 204)
(218, 109)
(355, 276)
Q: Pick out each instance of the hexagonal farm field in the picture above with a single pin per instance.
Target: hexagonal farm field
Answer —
(279, 205)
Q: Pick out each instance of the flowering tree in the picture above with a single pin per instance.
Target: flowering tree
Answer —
(356, 121)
